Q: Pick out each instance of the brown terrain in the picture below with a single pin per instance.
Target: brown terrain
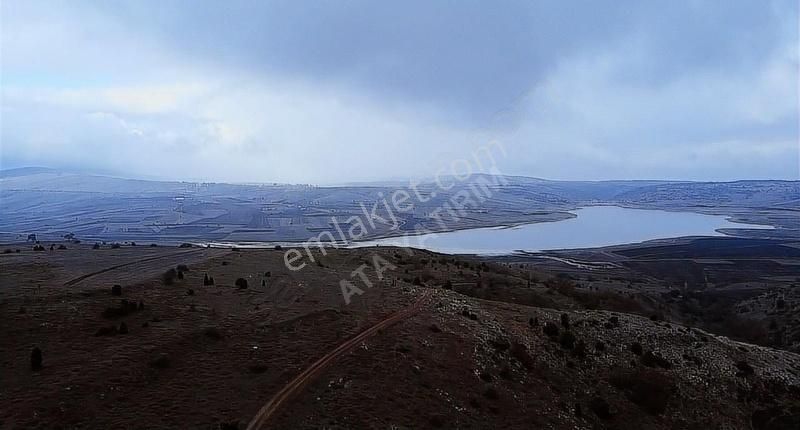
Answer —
(439, 342)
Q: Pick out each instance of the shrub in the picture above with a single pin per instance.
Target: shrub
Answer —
(745, 369)
(278, 248)
(551, 330)
(267, 274)
(520, 352)
(125, 307)
(116, 290)
(185, 245)
(169, 276)
(62, 247)
(123, 328)
(649, 389)
(567, 340)
(600, 407)
(580, 349)
(565, 320)
(652, 359)
(417, 281)
(190, 292)
(241, 283)
(96, 246)
(161, 361)
(600, 346)
(115, 245)
(636, 347)
(36, 359)
(182, 268)
(106, 331)
(491, 393)
(257, 368)
(212, 333)
(38, 248)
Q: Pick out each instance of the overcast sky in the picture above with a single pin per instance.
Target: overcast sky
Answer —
(336, 91)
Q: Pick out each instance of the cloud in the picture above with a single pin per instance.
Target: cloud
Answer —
(342, 91)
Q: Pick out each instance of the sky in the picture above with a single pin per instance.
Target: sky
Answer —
(330, 92)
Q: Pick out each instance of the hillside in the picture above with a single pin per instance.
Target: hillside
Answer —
(201, 356)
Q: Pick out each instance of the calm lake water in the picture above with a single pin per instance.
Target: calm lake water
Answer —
(593, 227)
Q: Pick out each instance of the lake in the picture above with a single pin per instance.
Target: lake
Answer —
(594, 226)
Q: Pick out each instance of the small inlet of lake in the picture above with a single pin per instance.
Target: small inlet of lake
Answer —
(594, 226)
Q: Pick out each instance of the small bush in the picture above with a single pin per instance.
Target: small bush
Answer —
(185, 245)
(241, 283)
(36, 359)
(600, 407)
(123, 328)
(106, 331)
(125, 307)
(212, 333)
(116, 290)
(257, 368)
(278, 248)
(169, 276)
(182, 268)
(115, 245)
(565, 320)
(96, 246)
(161, 361)
(491, 393)
(637, 349)
(652, 359)
(745, 369)
(600, 346)
(62, 247)
(551, 330)
(649, 389)
(567, 340)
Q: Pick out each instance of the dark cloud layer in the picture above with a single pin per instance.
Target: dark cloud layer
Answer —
(610, 85)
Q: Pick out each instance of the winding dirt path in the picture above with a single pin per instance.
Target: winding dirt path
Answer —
(318, 366)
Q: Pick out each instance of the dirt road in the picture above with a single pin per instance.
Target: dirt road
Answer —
(131, 263)
(318, 366)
